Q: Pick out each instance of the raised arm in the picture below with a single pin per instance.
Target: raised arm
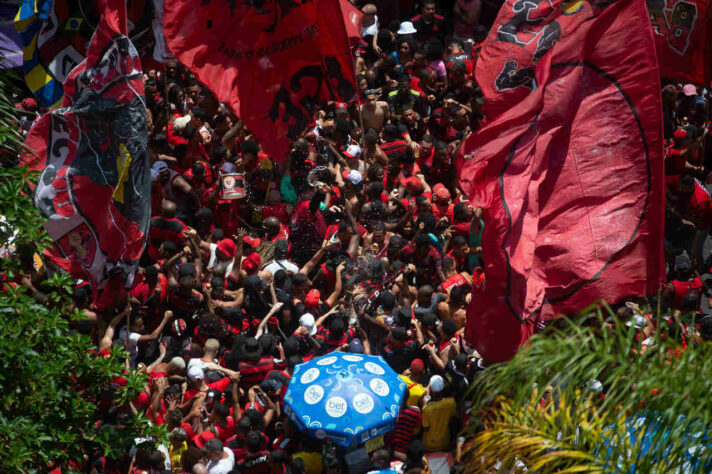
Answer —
(167, 316)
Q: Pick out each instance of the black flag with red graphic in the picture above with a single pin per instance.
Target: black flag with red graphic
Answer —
(95, 186)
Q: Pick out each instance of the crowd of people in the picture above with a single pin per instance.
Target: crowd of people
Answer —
(359, 240)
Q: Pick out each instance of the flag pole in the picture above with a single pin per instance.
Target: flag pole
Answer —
(360, 110)
(165, 96)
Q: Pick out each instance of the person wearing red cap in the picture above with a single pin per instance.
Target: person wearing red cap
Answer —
(442, 207)
(682, 156)
(251, 264)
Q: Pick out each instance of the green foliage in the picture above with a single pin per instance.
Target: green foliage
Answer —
(543, 409)
(50, 384)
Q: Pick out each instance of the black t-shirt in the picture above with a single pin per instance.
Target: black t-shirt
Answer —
(427, 31)
(400, 358)
(415, 131)
(255, 463)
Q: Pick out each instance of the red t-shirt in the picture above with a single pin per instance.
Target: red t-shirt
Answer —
(226, 431)
(221, 385)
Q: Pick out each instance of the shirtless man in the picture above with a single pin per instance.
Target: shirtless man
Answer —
(375, 112)
(372, 153)
(376, 241)
(455, 306)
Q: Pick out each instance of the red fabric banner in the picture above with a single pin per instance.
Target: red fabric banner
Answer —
(272, 63)
(95, 182)
(352, 21)
(683, 39)
(570, 173)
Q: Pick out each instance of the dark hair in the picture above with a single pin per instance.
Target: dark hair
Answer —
(428, 220)
(250, 147)
(190, 458)
(198, 169)
(169, 246)
(459, 209)
(211, 325)
(449, 327)
(159, 142)
(374, 190)
(440, 145)
(245, 423)
(459, 240)
(371, 173)
(422, 240)
(199, 113)
(434, 50)
(219, 152)
(219, 119)
(222, 410)
(189, 132)
(180, 151)
(390, 131)
(299, 279)
(458, 293)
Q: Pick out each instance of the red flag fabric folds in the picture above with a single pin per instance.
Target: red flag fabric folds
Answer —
(352, 21)
(683, 38)
(570, 169)
(272, 62)
(94, 187)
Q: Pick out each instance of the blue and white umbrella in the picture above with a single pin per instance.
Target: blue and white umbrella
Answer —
(343, 397)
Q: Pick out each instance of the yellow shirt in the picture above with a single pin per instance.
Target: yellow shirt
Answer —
(415, 389)
(312, 461)
(176, 454)
(436, 424)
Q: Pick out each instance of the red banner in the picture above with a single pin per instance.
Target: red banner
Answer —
(683, 38)
(352, 21)
(273, 62)
(570, 173)
(94, 185)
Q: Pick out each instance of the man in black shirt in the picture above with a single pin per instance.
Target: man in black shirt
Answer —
(400, 350)
(429, 24)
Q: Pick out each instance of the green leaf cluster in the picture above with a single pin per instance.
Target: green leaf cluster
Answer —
(50, 383)
(585, 399)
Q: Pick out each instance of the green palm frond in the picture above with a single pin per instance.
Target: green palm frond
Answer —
(544, 409)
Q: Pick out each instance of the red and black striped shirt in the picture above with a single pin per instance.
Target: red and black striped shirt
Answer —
(253, 372)
(406, 427)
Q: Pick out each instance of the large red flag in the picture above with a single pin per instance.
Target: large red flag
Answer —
(683, 38)
(570, 173)
(352, 21)
(95, 183)
(273, 62)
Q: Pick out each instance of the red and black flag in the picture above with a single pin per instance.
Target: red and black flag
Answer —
(272, 61)
(683, 39)
(569, 171)
(94, 187)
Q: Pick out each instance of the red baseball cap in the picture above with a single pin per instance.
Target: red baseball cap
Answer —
(142, 400)
(441, 193)
(252, 263)
(341, 106)
(228, 247)
(203, 438)
(413, 185)
(312, 298)
(417, 366)
(252, 241)
(679, 135)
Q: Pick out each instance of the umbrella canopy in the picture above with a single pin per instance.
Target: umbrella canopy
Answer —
(344, 397)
